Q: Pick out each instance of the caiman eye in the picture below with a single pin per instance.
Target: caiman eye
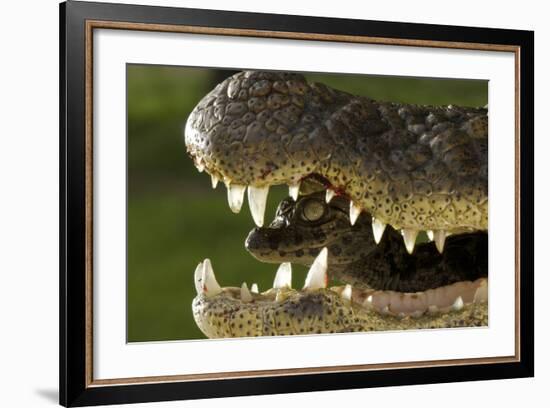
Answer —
(313, 210)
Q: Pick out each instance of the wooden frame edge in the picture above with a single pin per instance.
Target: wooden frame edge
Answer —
(119, 25)
(232, 375)
(89, 205)
(104, 24)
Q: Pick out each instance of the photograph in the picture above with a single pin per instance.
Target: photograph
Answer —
(252, 204)
(255, 203)
(278, 203)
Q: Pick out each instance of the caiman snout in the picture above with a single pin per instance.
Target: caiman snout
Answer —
(275, 245)
(256, 239)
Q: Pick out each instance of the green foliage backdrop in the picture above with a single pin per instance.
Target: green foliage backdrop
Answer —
(175, 219)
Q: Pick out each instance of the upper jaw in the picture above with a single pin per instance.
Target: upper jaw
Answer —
(246, 136)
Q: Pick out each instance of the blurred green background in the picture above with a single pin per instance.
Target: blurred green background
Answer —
(175, 219)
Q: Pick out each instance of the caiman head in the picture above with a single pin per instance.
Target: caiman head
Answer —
(388, 173)
(417, 168)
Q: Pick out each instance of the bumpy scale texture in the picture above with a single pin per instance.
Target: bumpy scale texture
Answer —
(418, 167)
(321, 311)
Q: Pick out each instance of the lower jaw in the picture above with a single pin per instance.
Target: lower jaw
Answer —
(321, 311)
(223, 312)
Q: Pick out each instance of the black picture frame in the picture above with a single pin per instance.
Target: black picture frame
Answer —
(76, 387)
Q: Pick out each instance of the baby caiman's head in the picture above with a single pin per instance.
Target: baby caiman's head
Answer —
(303, 227)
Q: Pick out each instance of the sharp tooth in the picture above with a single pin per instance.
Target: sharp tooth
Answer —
(293, 190)
(330, 195)
(214, 181)
(354, 211)
(254, 288)
(235, 195)
(200, 167)
(198, 278)
(246, 296)
(317, 277)
(209, 284)
(283, 278)
(439, 238)
(409, 237)
(378, 228)
(257, 197)
(430, 235)
(346, 293)
(458, 303)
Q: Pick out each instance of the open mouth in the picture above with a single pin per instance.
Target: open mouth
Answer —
(363, 187)
(318, 307)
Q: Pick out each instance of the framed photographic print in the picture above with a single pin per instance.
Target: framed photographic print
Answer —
(255, 203)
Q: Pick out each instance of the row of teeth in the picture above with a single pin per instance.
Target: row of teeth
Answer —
(317, 278)
(444, 299)
(257, 199)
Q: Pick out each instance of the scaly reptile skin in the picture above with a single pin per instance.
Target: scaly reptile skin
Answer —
(353, 255)
(414, 167)
(321, 311)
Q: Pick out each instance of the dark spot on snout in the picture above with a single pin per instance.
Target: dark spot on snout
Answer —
(319, 235)
(336, 250)
(347, 240)
(314, 251)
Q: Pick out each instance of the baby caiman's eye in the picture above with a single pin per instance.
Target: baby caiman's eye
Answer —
(313, 210)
